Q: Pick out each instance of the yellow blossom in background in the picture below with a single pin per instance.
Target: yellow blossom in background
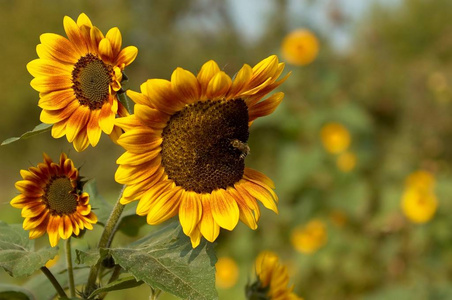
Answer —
(272, 280)
(335, 137)
(310, 237)
(227, 272)
(300, 47)
(419, 206)
(421, 179)
(346, 161)
(419, 202)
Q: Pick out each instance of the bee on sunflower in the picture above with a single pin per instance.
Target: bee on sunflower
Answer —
(186, 146)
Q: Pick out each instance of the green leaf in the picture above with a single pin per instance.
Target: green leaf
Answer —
(17, 254)
(100, 206)
(126, 102)
(37, 130)
(119, 284)
(129, 223)
(42, 289)
(14, 292)
(166, 260)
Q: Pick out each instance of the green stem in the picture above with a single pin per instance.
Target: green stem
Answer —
(54, 282)
(70, 271)
(105, 241)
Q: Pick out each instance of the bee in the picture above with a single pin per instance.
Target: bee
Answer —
(242, 147)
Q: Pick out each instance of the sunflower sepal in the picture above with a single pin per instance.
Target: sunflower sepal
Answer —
(125, 101)
(41, 128)
(18, 256)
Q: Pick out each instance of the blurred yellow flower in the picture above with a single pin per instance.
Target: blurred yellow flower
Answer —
(421, 179)
(227, 273)
(418, 205)
(300, 47)
(272, 280)
(346, 161)
(335, 137)
(310, 237)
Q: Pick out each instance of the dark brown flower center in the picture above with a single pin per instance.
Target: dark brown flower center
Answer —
(91, 79)
(61, 197)
(204, 145)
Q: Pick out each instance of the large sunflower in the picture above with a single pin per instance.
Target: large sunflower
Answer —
(186, 147)
(52, 201)
(77, 80)
(272, 280)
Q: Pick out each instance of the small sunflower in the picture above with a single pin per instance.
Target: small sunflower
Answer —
(272, 280)
(52, 201)
(77, 80)
(186, 146)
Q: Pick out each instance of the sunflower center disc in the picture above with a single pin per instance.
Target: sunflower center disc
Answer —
(200, 149)
(91, 79)
(60, 196)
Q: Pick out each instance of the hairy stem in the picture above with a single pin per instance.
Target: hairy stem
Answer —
(105, 241)
(54, 282)
(70, 271)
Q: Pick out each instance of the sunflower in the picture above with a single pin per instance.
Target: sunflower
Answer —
(272, 280)
(77, 80)
(51, 200)
(186, 146)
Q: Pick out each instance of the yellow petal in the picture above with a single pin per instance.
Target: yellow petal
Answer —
(241, 80)
(260, 194)
(77, 122)
(224, 209)
(218, 86)
(105, 49)
(195, 237)
(127, 56)
(162, 97)
(138, 98)
(185, 85)
(52, 230)
(190, 212)
(207, 72)
(115, 38)
(48, 67)
(164, 207)
(73, 33)
(209, 228)
(266, 107)
(59, 47)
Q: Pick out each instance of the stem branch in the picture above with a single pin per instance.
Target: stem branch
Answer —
(105, 241)
(54, 282)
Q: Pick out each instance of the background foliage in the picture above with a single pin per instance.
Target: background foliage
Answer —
(390, 86)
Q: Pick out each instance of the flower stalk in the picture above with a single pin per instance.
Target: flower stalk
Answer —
(70, 270)
(105, 241)
(54, 282)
